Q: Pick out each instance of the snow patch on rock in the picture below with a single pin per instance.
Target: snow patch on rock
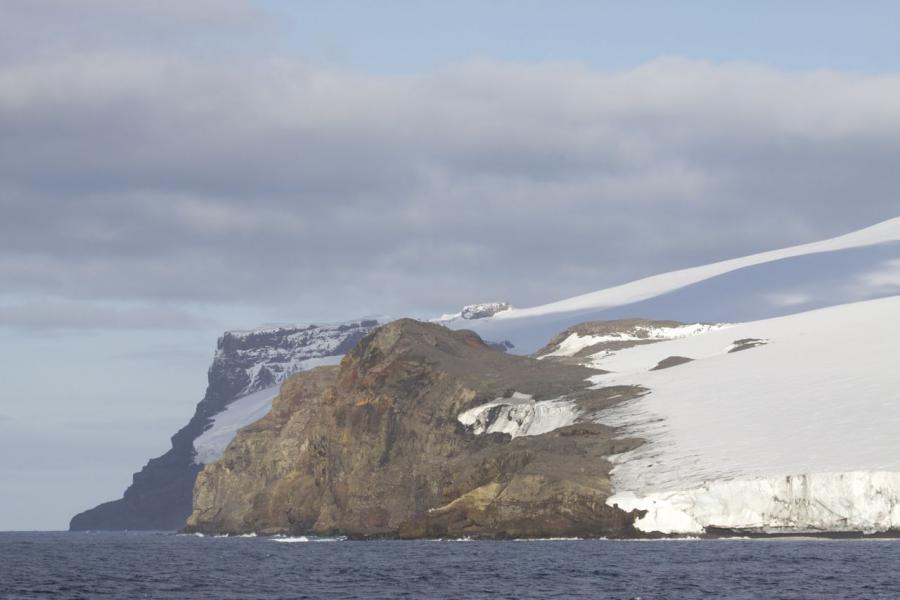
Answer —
(575, 343)
(519, 415)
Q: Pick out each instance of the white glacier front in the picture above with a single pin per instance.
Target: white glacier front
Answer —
(856, 501)
(799, 433)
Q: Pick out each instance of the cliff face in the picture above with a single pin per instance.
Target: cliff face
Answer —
(376, 447)
(245, 362)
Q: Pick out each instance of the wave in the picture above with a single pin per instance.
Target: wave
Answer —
(303, 539)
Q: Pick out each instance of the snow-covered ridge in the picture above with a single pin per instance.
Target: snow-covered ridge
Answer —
(575, 343)
(519, 414)
(471, 312)
(266, 356)
(635, 291)
(858, 266)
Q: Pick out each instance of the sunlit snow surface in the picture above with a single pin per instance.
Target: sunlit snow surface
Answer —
(642, 289)
(801, 432)
(210, 444)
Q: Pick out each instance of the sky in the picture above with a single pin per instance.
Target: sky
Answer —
(171, 169)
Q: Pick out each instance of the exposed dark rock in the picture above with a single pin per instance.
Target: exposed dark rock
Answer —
(671, 361)
(746, 344)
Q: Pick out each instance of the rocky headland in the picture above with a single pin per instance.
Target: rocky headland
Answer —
(245, 362)
(376, 447)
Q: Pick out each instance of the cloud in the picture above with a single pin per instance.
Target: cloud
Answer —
(162, 352)
(32, 28)
(57, 316)
(789, 298)
(160, 177)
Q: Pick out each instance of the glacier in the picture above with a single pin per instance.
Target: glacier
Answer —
(798, 433)
(853, 502)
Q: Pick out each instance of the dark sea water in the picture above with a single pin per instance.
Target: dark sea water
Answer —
(162, 565)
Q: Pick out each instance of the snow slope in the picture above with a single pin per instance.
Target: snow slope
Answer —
(210, 444)
(799, 433)
(860, 265)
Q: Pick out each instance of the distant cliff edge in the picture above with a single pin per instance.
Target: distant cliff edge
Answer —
(247, 368)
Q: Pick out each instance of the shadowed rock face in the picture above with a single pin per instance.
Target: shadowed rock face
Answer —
(374, 448)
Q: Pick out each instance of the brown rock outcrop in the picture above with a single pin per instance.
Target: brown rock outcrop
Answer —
(374, 448)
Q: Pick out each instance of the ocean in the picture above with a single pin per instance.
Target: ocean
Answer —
(131, 565)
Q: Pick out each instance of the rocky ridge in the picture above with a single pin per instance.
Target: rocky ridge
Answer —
(587, 339)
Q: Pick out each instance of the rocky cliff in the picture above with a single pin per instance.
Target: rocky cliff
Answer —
(377, 447)
(245, 362)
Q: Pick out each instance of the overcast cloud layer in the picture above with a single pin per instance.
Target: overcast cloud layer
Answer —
(160, 177)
